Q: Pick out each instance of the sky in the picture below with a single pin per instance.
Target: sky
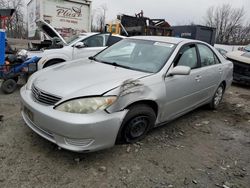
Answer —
(176, 12)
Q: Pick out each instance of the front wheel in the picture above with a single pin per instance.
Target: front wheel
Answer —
(217, 97)
(136, 124)
(9, 86)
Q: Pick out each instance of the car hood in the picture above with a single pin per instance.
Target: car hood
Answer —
(36, 53)
(83, 78)
(240, 56)
(49, 30)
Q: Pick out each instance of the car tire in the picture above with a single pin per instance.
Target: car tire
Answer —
(136, 124)
(52, 62)
(217, 98)
(9, 86)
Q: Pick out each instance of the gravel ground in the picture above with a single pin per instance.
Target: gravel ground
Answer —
(201, 149)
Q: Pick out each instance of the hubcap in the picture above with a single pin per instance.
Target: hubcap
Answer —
(138, 126)
(218, 96)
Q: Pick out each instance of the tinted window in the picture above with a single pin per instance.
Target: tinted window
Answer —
(112, 40)
(207, 56)
(187, 57)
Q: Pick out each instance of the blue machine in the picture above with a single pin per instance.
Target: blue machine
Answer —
(10, 73)
(2, 47)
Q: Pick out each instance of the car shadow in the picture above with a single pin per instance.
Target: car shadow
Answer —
(241, 85)
(54, 152)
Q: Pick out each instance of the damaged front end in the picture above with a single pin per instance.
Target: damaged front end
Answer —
(130, 91)
(241, 72)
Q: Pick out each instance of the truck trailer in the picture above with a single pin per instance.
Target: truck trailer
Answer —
(197, 32)
(68, 17)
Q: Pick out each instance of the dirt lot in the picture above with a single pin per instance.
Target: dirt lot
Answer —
(202, 149)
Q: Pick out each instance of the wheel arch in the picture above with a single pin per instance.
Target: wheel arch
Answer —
(224, 83)
(152, 104)
(60, 60)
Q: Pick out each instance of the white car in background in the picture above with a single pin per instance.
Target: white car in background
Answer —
(58, 49)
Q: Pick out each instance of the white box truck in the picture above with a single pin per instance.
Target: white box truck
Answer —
(68, 17)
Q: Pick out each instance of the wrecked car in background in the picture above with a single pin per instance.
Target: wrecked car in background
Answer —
(58, 50)
(241, 61)
(222, 52)
(121, 93)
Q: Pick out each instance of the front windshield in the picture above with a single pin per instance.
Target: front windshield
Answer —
(247, 48)
(142, 55)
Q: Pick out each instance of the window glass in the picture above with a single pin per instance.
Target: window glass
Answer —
(146, 56)
(96, 41)
(207, 56)
(113, 39)
(247, 48)
(188, 57)
(123, 51)
(217, 61)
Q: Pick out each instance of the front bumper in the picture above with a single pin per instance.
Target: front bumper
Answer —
(241, 78)
(75, 132)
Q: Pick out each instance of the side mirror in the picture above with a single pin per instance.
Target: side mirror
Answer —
(80, 45)
(180, 70)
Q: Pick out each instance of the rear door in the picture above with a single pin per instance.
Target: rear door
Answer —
(211, 71)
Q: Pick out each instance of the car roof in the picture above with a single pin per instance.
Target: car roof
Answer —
(88, 34)
(173, 40)
(95, 33)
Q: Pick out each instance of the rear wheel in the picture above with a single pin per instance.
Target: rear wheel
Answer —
(217, 97)
(9, 86)
(136, 124)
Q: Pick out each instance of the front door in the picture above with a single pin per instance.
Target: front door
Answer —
(183, 91)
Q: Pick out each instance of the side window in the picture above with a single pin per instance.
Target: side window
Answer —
(96, 41)
(113, 39)
(187, 57)
(207, 56)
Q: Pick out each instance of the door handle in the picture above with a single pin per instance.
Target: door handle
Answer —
(198, 78)
(220, 70)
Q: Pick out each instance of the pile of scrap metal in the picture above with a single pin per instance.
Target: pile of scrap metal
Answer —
(139, 25)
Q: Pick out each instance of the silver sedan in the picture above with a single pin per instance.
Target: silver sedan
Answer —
(118, 95)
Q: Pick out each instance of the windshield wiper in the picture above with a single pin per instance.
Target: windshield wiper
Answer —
(92, 58)
(109, 63)
(122, 66)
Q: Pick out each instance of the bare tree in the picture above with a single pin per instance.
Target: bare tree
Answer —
(226, 20)
(242, 35)
(100, 17)
(16, 26)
